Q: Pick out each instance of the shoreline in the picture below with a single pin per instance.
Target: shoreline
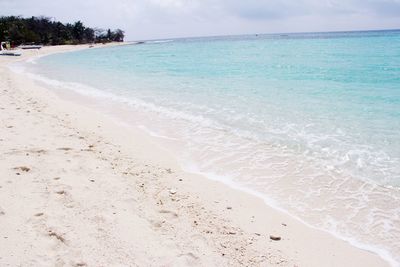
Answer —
(300, 244)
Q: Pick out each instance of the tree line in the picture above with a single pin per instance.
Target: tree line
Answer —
(45, 31)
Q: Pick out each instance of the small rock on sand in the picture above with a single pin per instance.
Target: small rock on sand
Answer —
(275, 238)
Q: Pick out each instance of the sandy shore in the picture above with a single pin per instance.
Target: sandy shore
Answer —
(78, 188)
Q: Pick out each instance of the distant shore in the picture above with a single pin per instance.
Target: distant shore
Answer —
(79, 188)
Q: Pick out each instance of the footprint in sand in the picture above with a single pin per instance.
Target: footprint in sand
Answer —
(187, 259)
(65, 196)
(64, 148)
(169, 214)
(38, 151)
(199, 239)
(58, 236)
(22, 168)
(157, 223)
(61, 192)
(80, 264)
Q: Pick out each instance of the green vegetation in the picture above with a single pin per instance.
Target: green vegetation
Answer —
(43, 30)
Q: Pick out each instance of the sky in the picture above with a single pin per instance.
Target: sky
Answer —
(161, 19)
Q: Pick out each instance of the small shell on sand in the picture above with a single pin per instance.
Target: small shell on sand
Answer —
(172, 191)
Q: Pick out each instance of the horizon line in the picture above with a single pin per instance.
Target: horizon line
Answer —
(276, 33)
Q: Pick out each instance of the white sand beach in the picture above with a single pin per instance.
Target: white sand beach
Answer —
(78, 188)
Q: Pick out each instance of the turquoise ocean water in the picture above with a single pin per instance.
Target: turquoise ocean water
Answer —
(309, 122)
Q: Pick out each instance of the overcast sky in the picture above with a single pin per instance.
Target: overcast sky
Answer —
(156, 19)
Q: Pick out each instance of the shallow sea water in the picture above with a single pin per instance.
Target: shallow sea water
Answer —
(309, 122)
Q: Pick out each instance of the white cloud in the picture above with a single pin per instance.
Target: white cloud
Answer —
(145, 19)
